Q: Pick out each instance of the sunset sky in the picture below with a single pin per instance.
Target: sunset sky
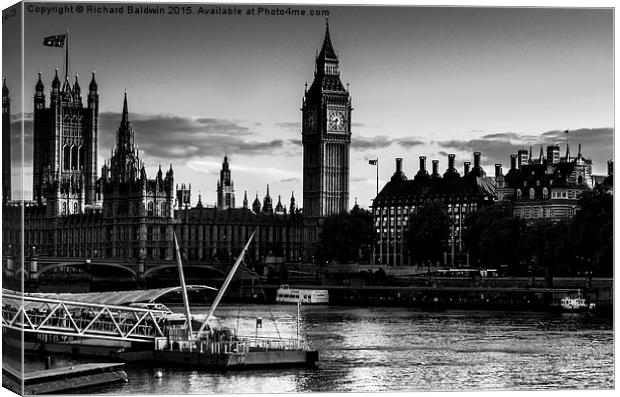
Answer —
(423, 81)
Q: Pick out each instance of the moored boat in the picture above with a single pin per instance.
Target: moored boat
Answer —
(214, 347)
(285, 294)
(576, 304)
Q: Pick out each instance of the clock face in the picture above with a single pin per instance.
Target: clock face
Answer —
(310, 121)
(337, 121)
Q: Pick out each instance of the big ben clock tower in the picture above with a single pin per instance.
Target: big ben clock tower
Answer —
(326, 137)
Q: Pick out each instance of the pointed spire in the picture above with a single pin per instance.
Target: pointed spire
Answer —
(199, 204)
(56, 81)
(327, 51)
(5, 89)
(76, 86)
(567, 152)
(39, 87)
(245, 199)
(292, 204)
(92, 87)
(256, 205)
(125, 117)
(530, 158)
(579, 152)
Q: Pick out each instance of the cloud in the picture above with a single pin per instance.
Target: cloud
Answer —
(295, 125)
(179, 139)
(291, 180)
(358, 179)
(363, 143)
(597, 144)
(408, 143)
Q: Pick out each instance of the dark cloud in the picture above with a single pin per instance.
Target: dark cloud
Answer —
(182, 138)
(502, 135)
(408, 143)
(597, 144)
(296, 142)
(291, 180)
(363, 143)
(354, 124)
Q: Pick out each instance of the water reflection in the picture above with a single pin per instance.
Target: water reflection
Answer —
(398, 349)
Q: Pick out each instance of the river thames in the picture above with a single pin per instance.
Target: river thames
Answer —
(401, 349)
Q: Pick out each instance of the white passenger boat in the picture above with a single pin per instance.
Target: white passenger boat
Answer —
(285, 294)
(577, 304)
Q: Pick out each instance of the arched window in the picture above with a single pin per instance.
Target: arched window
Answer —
(149, 208)
(64, 208)
(66, 157)
(74, 157)
(545, 193)
(82, 159)
(163, 209)
(519, 194)
(532, 193)
(75, 208)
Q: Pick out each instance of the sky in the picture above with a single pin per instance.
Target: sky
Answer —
(423, 81)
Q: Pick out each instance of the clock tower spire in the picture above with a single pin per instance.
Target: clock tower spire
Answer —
(326, 137)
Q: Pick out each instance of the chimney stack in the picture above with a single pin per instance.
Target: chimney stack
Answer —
(513, 161)
(466, 167)
(399, 164)
(476, 159)
(451, 161)
(422, 163)
(435, 167)
(498, 170)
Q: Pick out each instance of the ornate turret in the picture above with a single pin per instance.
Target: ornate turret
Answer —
(56, 81)
(39, 88)
(76, 87)
(256, 205)
(225, 187)
(279, 208)
(292, 206)
(92, 87)
(245, 199)
(267, 203)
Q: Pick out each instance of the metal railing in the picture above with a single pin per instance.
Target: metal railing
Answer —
(80, 319)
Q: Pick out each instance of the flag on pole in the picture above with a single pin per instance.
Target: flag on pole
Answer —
(372, 162)
(55, 41)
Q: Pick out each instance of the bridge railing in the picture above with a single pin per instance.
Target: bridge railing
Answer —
(80, 319)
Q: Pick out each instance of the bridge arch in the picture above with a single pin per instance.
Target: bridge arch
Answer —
(47, 268)
(171, 265)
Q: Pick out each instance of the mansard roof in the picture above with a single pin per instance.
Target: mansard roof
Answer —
(403, 192)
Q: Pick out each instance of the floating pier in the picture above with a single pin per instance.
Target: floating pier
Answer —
(62, 379)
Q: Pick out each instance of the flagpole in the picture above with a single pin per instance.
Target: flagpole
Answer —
(67, 56)
(377, 175)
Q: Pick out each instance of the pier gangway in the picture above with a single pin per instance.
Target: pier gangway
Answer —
(118, 315)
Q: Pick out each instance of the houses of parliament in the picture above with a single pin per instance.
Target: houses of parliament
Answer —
(121, 216)
(128, 216)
